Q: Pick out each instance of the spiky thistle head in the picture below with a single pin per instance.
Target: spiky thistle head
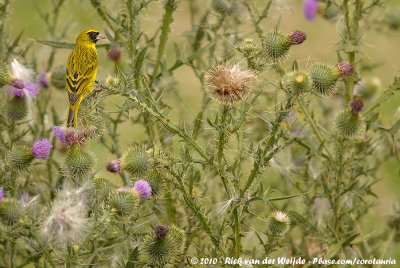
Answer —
(278, 224)
(17, 108)
(324, 78)
(74, 137)
(78, 163)
(19, 158)
(157, 182)
(229, 85)
(162, 244)
(11, 211)
(137, 161)
(125, 202)
(296, 82)
(67, 219)
(348, 123)
(276, 46)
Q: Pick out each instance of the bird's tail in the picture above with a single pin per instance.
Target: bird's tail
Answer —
(71, 121)
(73, 113)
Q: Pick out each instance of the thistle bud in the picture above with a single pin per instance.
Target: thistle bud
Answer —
(278, 224)
(229, 85)
(43, 80)
(297, 37)
(78, 163)
(348, 123)
(161, 231)
(112, 81)
(156, 181)
(345, 69)
(324, 78)
(136, 161)
(11, 210)
(20, 158)
(225, 7)
(248, 47)
(356, 106)
(114, 166)
(160, 246)
(114, 53)
(57, 77)
(276, 44)
(5, 77)
(296, 82)
(125, 202)
(59, 133)
(17, 108)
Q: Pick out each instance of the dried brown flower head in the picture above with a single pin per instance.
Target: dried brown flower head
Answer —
(229, 84)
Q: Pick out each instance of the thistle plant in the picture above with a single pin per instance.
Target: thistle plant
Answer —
(214, 129)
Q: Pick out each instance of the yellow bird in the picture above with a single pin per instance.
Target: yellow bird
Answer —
(81, 71)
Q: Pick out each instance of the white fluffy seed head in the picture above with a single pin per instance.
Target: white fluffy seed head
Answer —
(19, 71)
(67, 219)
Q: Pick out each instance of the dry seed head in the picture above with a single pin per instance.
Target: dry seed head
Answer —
(229, 85)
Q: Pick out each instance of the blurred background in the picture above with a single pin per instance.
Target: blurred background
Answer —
(380, 47)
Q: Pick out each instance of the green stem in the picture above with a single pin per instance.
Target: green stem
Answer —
(169, 7)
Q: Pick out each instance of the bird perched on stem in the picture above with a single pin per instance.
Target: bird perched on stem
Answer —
(81, 71)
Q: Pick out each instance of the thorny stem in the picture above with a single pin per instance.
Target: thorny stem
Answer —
(260, 160)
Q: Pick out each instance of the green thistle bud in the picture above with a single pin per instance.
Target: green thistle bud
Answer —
(5, 77)
(225, 7)
(78, 163)
(348, 123)
(276, 46)
(125, 203)
(57, 77)
(249, 48)
(158, 252)
(156, 181)
(324, 78)
(112, 81)
(102, 189)
(17, 108)
(11, 211)
(136, 161)
(278, 224)
(296, 82)
(20, 158)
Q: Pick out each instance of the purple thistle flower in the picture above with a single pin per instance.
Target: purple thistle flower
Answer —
(114, 166)
(310, 9)
(114, 54)
(356, 106)
(20, 89)
(1, 194)
(144, 189)
(345, 68)
(42, 80)
(297, 134)
(41, 149)
(297, 37)
(59, 133)
(24, 198)
(161, 231)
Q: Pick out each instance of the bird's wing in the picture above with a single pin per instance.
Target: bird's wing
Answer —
(81, 73)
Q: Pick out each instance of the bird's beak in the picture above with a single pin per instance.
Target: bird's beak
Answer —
(100, 37)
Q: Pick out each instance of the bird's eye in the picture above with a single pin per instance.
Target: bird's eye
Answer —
(93, 35)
